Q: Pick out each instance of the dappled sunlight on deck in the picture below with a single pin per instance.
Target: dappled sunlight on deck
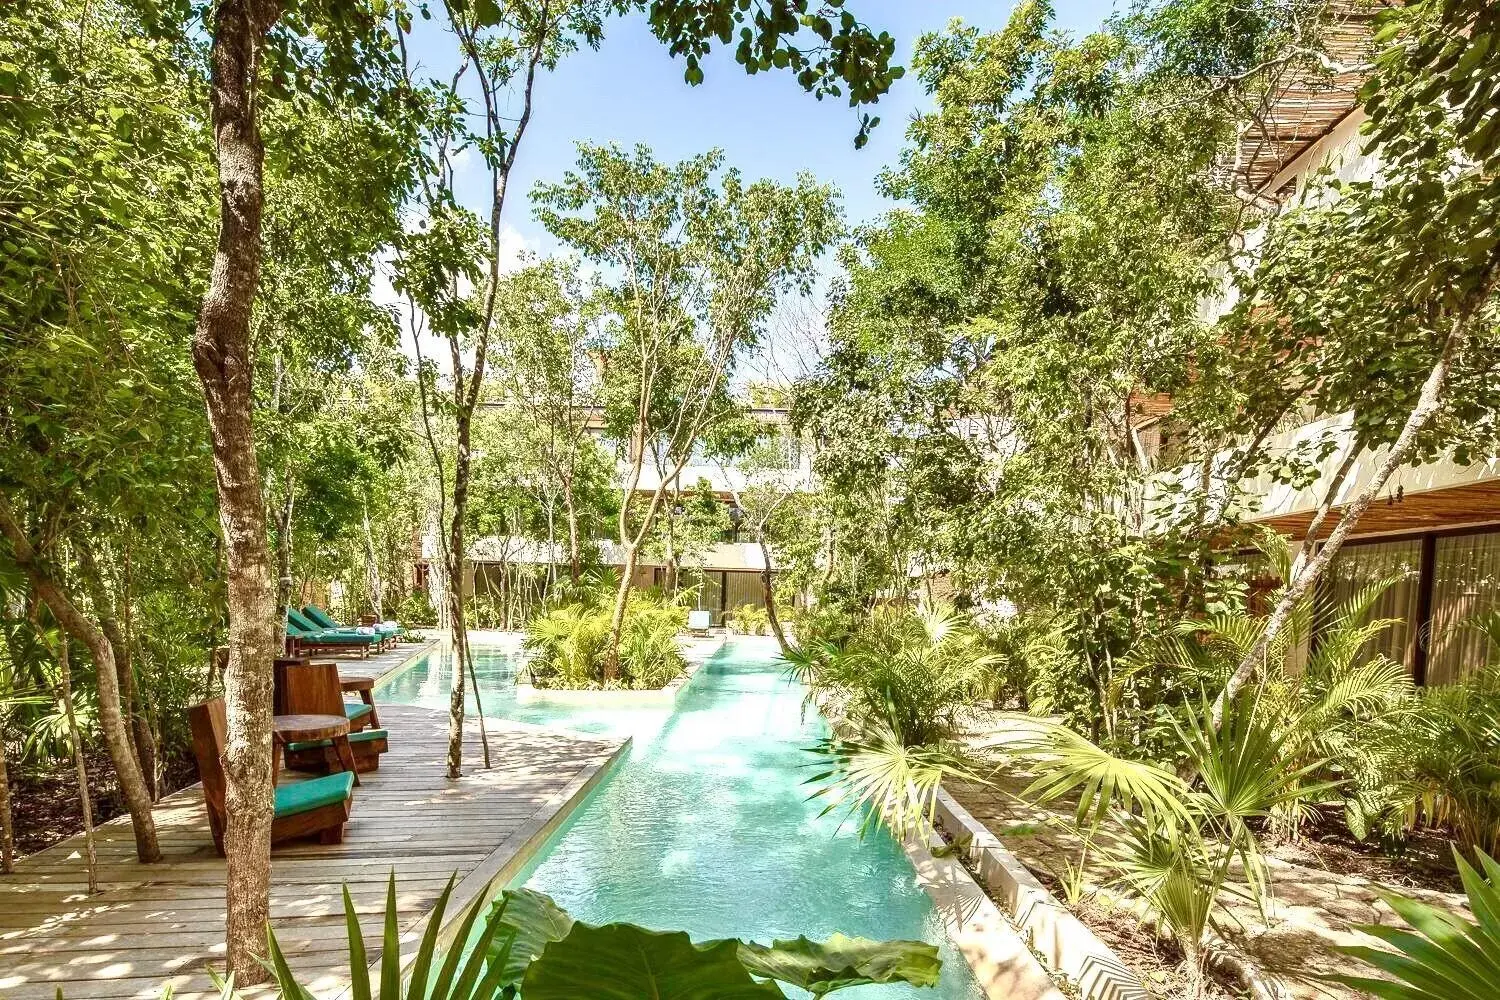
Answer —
(157, 924)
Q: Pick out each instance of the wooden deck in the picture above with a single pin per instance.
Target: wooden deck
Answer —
(155, 924)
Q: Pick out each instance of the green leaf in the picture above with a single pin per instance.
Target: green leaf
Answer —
(626, 962)
(534, 921)
(842, 961)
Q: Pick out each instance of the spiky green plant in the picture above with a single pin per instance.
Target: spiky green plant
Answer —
(527, 946)
(1442, 956)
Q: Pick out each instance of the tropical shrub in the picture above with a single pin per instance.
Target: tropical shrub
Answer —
(899, 689)
(1438, 765)
(527, 946)
(1442, 956)
(569, 644)
(750, 619)
(915, 672)
(649, 655)
(417, 609)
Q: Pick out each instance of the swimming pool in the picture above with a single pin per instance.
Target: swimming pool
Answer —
(706, 827)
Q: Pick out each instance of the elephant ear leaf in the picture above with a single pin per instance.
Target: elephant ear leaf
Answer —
(626, 962)
(529, 921)
(842, 961)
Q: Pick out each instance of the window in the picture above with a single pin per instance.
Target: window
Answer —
(1443, 583)
(1465, 583)
(1359, 566)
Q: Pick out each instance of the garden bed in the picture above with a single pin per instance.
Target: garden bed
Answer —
(1322, 891)
(44, 800)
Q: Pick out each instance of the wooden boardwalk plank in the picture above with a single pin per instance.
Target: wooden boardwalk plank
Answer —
(154, 924)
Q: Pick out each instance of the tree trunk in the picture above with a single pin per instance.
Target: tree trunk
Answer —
(372, 570)
(456, 635)
(147, 739)
(1297, 588)
(221, 356)
(768, 592)
(137, 732)
(111, 720)
(575, 558)
(617, 617)
(7, 830)
(65, 679)
(284, 560)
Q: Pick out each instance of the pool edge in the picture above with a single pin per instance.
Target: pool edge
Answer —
(1001, 962)
(499, 867)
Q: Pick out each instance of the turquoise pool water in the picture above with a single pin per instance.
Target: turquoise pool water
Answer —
(706, 827)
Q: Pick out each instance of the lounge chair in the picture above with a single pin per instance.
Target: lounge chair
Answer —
(315, 807)
(304, 688)
(305, 637)
(389, 631)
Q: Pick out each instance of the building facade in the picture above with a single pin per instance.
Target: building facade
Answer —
(1435, 528)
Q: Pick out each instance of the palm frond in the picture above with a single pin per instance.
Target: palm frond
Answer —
(1066, 762)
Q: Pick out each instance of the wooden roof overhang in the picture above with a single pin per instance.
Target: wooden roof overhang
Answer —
(1449, 509)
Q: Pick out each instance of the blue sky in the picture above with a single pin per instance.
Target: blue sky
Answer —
(631, 91)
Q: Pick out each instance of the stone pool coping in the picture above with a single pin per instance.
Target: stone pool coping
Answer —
(1064, 941)
(1002, 964)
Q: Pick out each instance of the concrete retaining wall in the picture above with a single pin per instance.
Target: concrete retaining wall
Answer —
(1068, 946)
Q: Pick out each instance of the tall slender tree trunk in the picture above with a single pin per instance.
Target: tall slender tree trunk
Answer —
(147, 741)
(575, 558)
(1302, 581)
(768, 592)
(111, 719)
(372, 569)
(221, 356)
(457, 604)
(284, 559)
(75, 740)
(617, 616)
(7, 829)
(137, 731)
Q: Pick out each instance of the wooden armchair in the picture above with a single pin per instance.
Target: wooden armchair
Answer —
(316, 807)
(305, 688)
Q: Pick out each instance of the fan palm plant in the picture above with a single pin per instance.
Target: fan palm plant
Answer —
(905, 678)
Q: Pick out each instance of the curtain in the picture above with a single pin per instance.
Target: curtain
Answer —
(1465, 584)
(1359, 566)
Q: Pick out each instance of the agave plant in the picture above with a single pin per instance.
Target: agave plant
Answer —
(527, 946)
(1442, 956)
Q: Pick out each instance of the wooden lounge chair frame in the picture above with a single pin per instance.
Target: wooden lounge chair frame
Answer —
(209, 727)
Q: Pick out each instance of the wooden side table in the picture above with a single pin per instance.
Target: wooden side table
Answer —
(365, 686)
(286, 729)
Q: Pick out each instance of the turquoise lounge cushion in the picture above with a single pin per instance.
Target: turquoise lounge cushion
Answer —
(318, 616)
(305, 796)
(356, 710)
(334, 635)
(364, 736)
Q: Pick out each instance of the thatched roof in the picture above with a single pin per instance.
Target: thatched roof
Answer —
(1307, 97)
